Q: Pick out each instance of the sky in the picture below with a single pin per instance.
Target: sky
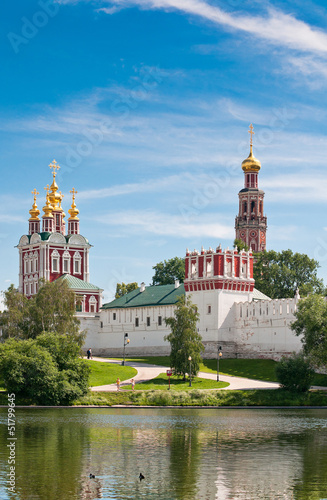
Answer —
(146, 106)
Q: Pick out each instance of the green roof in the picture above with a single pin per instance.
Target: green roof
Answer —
(156, 295)
(76, 283)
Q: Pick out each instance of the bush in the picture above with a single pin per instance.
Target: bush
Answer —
(46, 370)
(295, 373)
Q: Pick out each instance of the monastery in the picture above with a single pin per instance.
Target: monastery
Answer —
(234, 316)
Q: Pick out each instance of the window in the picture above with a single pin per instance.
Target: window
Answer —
(209, 268)
(65, 262)
(77, 263)
(136, 322)
(209, 309)
(159, 320)
(79, 304)
(148, 322)
(55, 261)
(114, 316)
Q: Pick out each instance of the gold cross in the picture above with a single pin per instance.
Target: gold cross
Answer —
(47, 188)
(35, 193)
(73, 191)
(54, 166)
(252, 134)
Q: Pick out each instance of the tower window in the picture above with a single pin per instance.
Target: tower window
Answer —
(148, 322)
(114, 316)
(159, 320)
(136, 322)
(209, 309)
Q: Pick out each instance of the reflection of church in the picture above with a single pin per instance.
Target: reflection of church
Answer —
(233, 314)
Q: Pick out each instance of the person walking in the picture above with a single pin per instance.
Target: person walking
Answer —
(118, 384)
(133, 384)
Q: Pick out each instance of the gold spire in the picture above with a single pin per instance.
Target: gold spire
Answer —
(73, 211)
(48, 208)
(35, 212)
(251, 164)
(55, 198)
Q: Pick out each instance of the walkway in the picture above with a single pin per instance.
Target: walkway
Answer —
(147, 372)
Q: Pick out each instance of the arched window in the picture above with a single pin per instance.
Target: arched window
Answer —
(77, 263)
(66, 262)
(93, 304)
(55, 261)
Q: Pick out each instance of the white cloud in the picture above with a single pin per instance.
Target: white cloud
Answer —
(277, 27)
(156, 223)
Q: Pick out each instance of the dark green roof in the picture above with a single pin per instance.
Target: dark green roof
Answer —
(76, 283)
(157, 295)
(45, 236)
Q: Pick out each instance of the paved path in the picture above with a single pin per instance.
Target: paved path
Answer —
(147, 372)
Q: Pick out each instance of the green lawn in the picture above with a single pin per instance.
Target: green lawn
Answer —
(177, 384)
(107, 373)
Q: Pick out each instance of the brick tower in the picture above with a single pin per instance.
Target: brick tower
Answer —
(251, 224)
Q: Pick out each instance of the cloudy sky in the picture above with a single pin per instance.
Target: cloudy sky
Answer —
(145, 105)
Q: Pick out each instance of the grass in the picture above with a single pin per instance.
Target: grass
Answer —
(103, 373)
(177, 384)
(195, 397)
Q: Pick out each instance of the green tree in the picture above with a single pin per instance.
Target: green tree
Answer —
(51, 309)
(184, 338)
(48, 370)
(279, 274)
(311, 323)
(295, 373)
(240, 245)
(168, 271)
(13, 321)
(123, 289)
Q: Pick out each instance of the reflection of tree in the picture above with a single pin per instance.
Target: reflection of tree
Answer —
(48, 455)
(313, 483)
(185, 457)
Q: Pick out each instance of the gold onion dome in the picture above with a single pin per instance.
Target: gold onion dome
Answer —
(251, 164)
(35, 212)
(48, 208)
(73, 211)
(54, 197)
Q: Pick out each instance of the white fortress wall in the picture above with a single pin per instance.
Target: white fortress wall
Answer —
(262, 328)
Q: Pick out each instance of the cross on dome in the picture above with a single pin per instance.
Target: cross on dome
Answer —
(73, 191)
(54, 166)
(252, 134)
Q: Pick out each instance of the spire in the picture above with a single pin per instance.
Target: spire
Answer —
(251, 164)
(73, 211)
(35, 212)
(55, 198)
(73, 221)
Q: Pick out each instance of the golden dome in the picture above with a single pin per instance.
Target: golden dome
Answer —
(35, 212)
(48, 208)
(73, 211)
(251, 164)
(54, 197)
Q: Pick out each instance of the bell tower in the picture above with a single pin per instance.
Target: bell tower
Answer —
(251, 224)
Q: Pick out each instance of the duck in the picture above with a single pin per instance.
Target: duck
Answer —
(141, 476)
(92, 476)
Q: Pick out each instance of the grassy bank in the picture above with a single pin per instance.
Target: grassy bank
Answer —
(276, 397)
(103, 373)
(177, 384)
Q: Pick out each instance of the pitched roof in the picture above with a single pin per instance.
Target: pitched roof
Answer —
(76, 283)
(257, 295)
(156, 295)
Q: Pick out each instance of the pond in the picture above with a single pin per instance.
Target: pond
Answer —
(183, 454)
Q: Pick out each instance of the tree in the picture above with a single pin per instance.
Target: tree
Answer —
(48, 370)
(295, 373)
(123, 289)
(168, 271)
(240, 245)
(311, 322)
(279, 274)
(184, 338)
(51, 309)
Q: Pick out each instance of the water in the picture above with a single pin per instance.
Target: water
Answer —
(183, 453)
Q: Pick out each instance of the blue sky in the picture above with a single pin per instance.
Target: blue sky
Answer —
(146, 106)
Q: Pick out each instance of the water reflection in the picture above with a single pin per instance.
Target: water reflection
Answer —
(184, 454)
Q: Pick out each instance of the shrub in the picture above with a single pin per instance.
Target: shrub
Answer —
(295, 373)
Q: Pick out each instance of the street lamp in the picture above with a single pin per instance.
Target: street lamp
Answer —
(126, 341)
(190, 359)
(219, 355)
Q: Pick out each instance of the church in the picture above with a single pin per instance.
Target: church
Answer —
(234, 316)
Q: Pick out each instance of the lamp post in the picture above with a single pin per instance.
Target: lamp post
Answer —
(219, 355)
(126, 341)
(190, 359)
